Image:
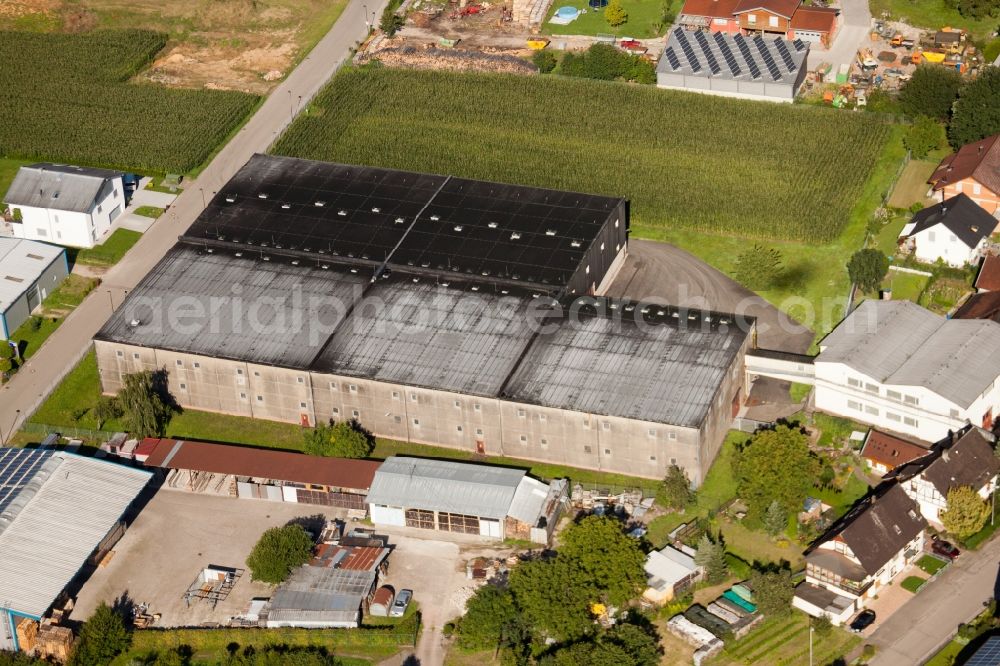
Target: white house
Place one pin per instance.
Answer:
(861, 554)
(899, 367)
(954, 231)
(963, 459)
(668, 573)
(66, 205)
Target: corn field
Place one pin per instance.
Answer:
(67, 98)
(684, 160)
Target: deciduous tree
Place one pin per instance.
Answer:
(965, 512)
(924, 136)
(608, 563)
(773, 591)
(344, 439)
(145, 403)
(102, 638)
(931, 92)
(867, 268)
(615, 14)
(279, 550)
(776, 465)
(977, 113)
(490, 614)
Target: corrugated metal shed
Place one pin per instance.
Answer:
(270, 312)
(48, 538)
(421, 333)
(22, 262)
(439, 485)
(60, 187)
(901, 343)
(663, 365)
(320, 594)
(529, 500)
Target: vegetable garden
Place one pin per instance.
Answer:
(685, 161)
(67, 98)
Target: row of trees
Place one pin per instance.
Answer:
(968, 109)
(545, 610)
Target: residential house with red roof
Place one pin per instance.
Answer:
(770, 18)
(973, 170)
(885, 452)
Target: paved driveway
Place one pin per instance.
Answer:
(661, 271)
(856, 21)
(921, 627)
(26, 390)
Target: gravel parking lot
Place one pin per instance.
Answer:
(176, 535)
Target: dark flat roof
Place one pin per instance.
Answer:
(253, 310)
(441, 334)
(655, 363)
(407, 220)
(262, 463)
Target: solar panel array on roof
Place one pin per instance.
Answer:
(727, 54)
(799, 45)
(744, 48)
(713, 64)
(765, 54)
(380, 217)
(672, 58)
(693, 61)
(786, 56)
(17, 468)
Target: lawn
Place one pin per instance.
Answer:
(931, 565)
(799, 392)
(913, 583)
(943, 294)
(212, 645)
(645, 19)
(36, 329)
(905, 286)
(149, 211)
(110, 251)
(887, 239)
(931, 14)
(755, 546)
(785, 640)
(912, 185)
(834, 430)
(156, 184)
(71, 405)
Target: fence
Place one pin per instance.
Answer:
(77, 433)
(911, 271)
(895, 179)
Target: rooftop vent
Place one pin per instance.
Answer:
(239, 254)
(231, 199)
(445, 284)
(209, 250)
(354, 270)
(492, 225)
(376, 209)
(342, 213)
(295, 262)
(575, 243)
(325, 267)
(319, 204)
(550, 232)
(262, 195)
(435, 218)
(266, 258)
(286, 206)
(399, 220)
(135, 322)
(458, 227)
(474, 288)
(515, 236)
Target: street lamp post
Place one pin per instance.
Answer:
(367, 24)
(3, 440)
(812, 630)
(111, 300)
(202, 190)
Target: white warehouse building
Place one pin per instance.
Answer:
(900, 367)
(66, 205)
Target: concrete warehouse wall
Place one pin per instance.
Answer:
(472, 423)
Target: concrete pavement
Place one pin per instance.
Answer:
(25, 392)
(856, 22)
(920, 628)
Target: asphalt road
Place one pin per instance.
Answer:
(915, 632)
(856, 21)
(26, 390)
(661, 271)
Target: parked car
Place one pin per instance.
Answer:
(945, 549)
(402, 601)
(863, 621)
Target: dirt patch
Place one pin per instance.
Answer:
(250, 64)
(470, 60)
(11, 9)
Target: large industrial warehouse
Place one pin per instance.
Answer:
(750, 67)
(432, 309)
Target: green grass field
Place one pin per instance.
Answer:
(913, 583)
(110, 251)
(785, 640)
(149, 211)
(71, 405)
(36, 330)
(905, 286)
(931, 565)
(645, 19)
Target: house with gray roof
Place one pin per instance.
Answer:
(30, 271)
(903, 369)
(464, 498)
(964, 458)
(861, 554)
(63, 204)
(954, 231)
